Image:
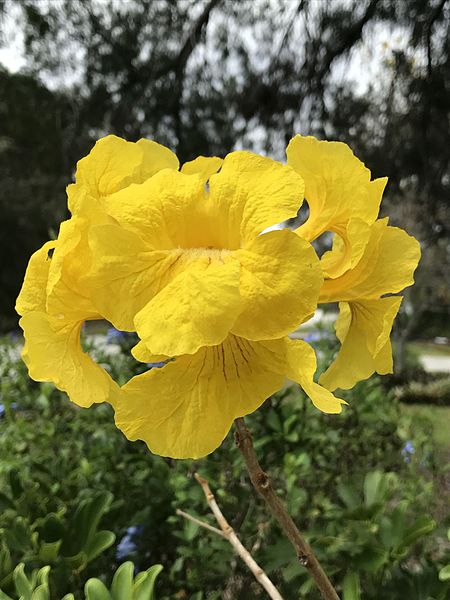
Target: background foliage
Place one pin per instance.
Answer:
(369, 489)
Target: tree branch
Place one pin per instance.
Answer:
(230, 535)
(348, 40)
(261, 482)
(199, 522)
(178, 64)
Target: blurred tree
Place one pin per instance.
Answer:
(207, 76)
(33, 175)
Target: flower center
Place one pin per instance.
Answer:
(211, 254)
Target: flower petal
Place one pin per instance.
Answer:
(156, 157)
(301, 366)
(349, 245)
(33, 295)
(338, 189)
(252, 193)
(114, 164)
(166, 211)
(198, 308)
(363, 328)
(53, 352)
(127, 273)
(68, 296)
(280, 283)
(186, 409)
(203, 166)
(387, 266)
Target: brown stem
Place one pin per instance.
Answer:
(261, 482)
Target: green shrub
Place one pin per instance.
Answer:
(367, 511)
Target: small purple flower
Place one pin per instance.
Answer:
(127, 544)
(125, 547)
(13, 406)
(114, 336)
(157, 365)
(407, 451)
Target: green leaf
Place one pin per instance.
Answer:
(87, 517)
(66, 597)
(15, 483)
(5, 502)
(371, 559)
(444, 573)
(274, 421)
(348, 495)
(421, 527)
(373, 487)
(23, 586)
(122, 583)
(144, 589)
(100, 542)
(3, 596)
(5, 561)
(96, 590)
(42, 576)
(351, 587)
(48, 551)
(52, 528)
(19, 536)
(41, 593)
(392, 528)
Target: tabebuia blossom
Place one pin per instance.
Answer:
(186, 258)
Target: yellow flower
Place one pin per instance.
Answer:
(368, 260)
(183, 258)
(185, 265)
(53, 311)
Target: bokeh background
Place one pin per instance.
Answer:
(206, 77)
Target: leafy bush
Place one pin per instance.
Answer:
(435, 391)
(124, 585)
(365, 504)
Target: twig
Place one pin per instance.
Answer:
(199, 522)
(230, 535)
(261, 482)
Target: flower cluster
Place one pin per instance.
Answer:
(186, 259)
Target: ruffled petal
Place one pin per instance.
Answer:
(141, 353)
(68, 295)
(155, 158)
(33, 295)
(301, 367)
(167, 211)
(114, 164)
(53, 352)
(338, 189)
(387, 266)
(363, 328)
(280, 283)
(349, 244)
(186, 409)
(198, 308)
(203, 166)
(126, 273)
(252, 193)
